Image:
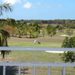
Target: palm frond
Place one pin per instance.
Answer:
(5, 7)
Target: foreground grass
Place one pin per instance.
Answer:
(34, 56)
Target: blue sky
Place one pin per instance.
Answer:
(41, 9)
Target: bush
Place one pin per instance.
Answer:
(69, 56)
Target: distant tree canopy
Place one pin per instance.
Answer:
(51, 30)
(69, 56)
(61, 23)
(33, 30)
(25, 28)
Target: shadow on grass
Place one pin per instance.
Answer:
(9, 70)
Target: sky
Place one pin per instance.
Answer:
(40, 9)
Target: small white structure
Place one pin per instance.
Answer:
(54, 51)
(64, 35)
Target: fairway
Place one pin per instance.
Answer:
(54, 42)
(35, 56)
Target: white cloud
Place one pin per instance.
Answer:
(27, 5)
(12, 2)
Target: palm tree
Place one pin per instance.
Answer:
(3, 41)
(4, 34)
(4, 8)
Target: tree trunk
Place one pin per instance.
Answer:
(3, 54)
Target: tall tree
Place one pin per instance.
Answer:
(4, 34)
(3, 41)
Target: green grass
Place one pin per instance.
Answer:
(37, 56)
(43, 44)
(47, 41)
(34, 56)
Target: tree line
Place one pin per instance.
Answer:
(35, 28)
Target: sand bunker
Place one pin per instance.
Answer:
(54, 51)
(64, 35)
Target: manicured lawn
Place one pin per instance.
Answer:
(44, 44)
(34, 56)
(53, 42)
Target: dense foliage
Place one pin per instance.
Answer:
(33, 28)
(69, 56)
